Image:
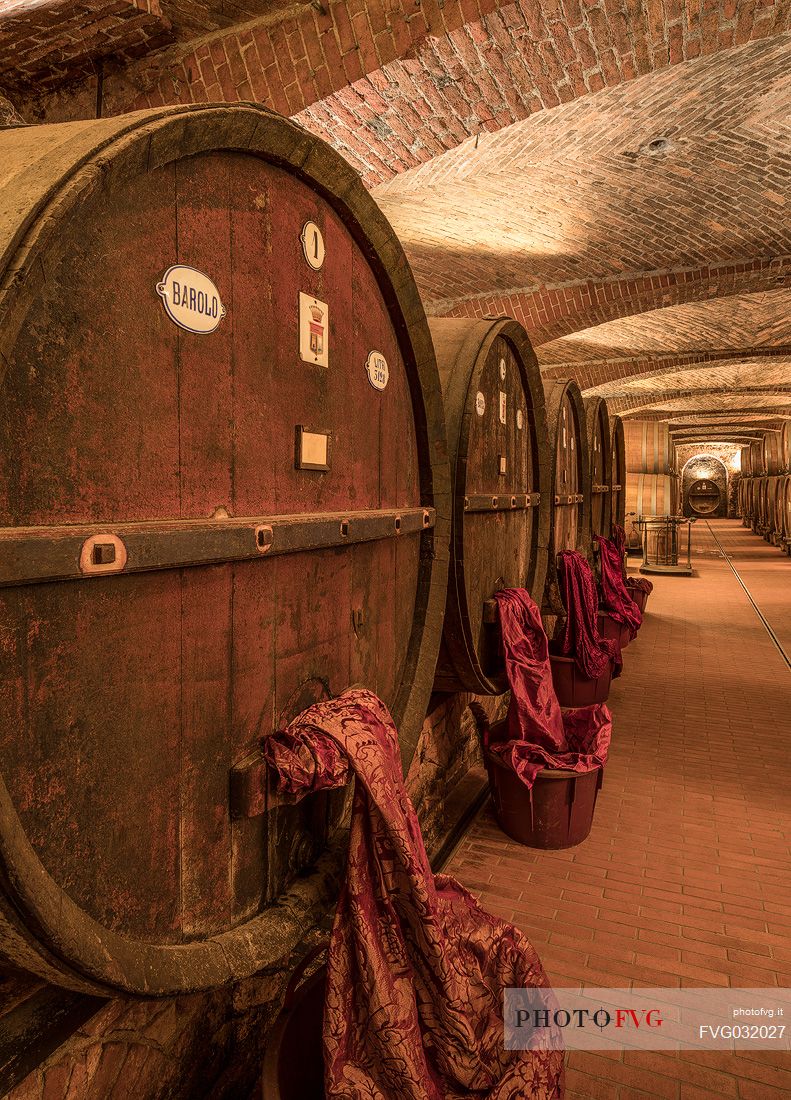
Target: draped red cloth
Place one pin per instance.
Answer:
(417, 969)
(619, 538)
(640, 583)
(616, 600)
(540, 734)
(578, 636)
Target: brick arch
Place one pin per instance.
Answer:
(604, 377)
(552, 312)
(519, 59)
(479, 64)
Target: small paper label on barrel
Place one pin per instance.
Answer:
(502, 370)
(191, 299)
(503, 400)
(520, 420)
(313, 330)
(378, 370)
(480, 403)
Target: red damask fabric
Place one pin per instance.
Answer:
(416, 968)
(639, 583)
(616, 600)
(540, 734)
(578, 635)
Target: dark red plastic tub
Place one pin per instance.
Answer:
(611, 628)
(293, 1058)
(557, 812)
(574, 689)
(639, 596)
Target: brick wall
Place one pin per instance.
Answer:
(42, 45)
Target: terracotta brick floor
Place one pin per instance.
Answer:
(684, 879)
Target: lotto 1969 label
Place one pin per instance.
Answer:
(378, 370)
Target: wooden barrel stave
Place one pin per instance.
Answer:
(136, 695)
(757, 458)
(648, 447)
(569, 527)
(601, 465)
(785, 447)
(783, 512)
(773, 457)
(500, 513)
(648, 495)
(618, 477)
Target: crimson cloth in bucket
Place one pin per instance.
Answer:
(616, 599)
(610, 627)
(573, 688)
(540, 735)
(578, 636)
(555, 812)
(416, 968)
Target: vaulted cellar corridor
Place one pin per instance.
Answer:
(684, 877)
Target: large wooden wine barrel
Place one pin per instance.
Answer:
(746, 462)
(785, 447)
(618, 477)
(704, 497)
(569, 527)
(497, 441)
(783, 512)
(649, 447)
(745, 500)
(757, 458)
(773, 458)
(224, 494)
(767, 515)
(651, 494)
(601, 466)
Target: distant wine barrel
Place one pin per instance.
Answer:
(757, 458)
(497, 440)
(569, 527)
(773, 458)
(618, 482)
(600, 460)
(745, 500)
(783, 512)
(223, 495)
(649, 447)
(767, 495)
(746, 462)
(785, 447)
(651, 494)
(704, 497)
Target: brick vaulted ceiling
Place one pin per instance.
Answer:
(615, 173)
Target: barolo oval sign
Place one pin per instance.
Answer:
(191, 299)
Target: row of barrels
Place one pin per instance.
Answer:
(764, 504)
(768, 456)
(238, 473)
